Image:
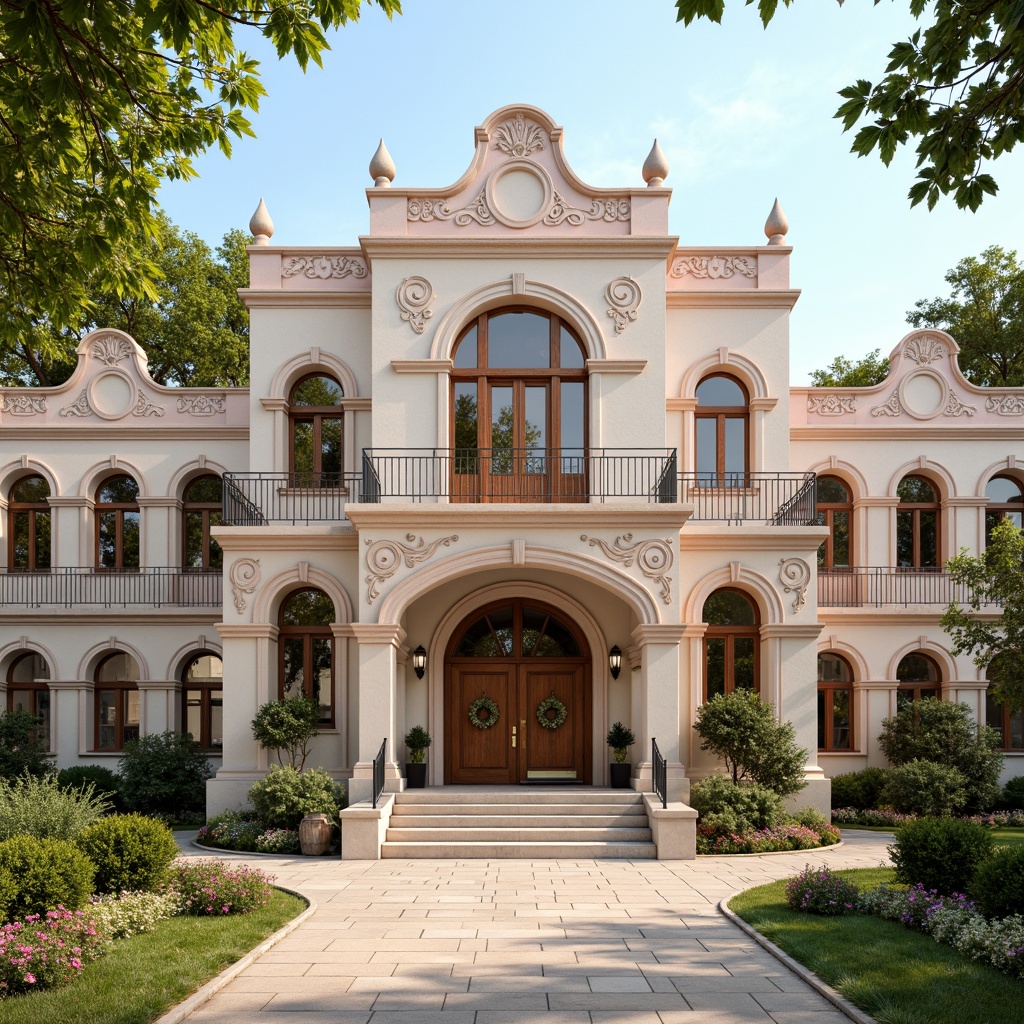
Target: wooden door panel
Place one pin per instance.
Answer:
(561, 750)
(482, 755)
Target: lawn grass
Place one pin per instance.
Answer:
(896, 975)
(140, 978)
(1003, 836)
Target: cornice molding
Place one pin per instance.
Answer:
(160, 432)
(499, 248)
(765, 404)
(888, 430)
(680, 404)
(792, 631)
(647, 633)
(631, 367)
(786, 540)
(262, 297)
(422, 365)
(285, 538)
(389, 633)
(764, 297)
(247, 630)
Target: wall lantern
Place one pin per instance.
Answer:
(419, 661)
(615, 661)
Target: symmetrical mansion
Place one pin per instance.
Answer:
(516, 466)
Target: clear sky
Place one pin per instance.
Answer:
(743, 115)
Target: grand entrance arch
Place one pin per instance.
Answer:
(517, 696)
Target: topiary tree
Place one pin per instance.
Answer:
(947, 734)
(23, 747)
(620, 739)
(741, 729)
(287, 726)
(417, 740)
(164, 773)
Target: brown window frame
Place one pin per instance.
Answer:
(33, 688)
(207, 686)
(120, 508)
(828, 687)
(32, 509)
(916, 687)
(205, 509)
(914, 509)
(308, 634)
(721, 413)
(122, 688)
(826, 517)
(316, 413)
(996, 511)
(730, 633)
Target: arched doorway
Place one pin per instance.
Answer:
(510, 665)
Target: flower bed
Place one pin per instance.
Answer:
(234, 830)
(46, 951)
(882, 817)
(775, 839)
(210, 887)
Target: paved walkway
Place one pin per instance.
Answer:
(526, 942)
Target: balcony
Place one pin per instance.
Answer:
(768, 499)
(259, 499)
(149, 587)
(886, 586)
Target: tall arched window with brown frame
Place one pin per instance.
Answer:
(28, 525)
(306, 650)
(918, 524)
(731, 643)
(315, 432)
(835, 702)
(519, 409)
(835, 510)
(1001, 717)
(202, 694)
(919, 677)
(722, 423)
(117, 523)
(116, 701)
(1005, 501)
(27, 689)
(201, 510)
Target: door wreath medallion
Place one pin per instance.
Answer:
(551, 712)
(483, 712)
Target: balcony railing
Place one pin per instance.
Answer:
(256, 499)
(772, 499)
(519, 474)
(878, 586)
(152, 587)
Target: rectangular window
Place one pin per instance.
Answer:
(292, 680)
(108, 540)
(707, 448)
(929, 540)
(106, 732)
(330, 452)
(743, 663)
(715, 662)
(735, 447)
(841, 539)
(130, 540)
(322, 677)
(302, 453)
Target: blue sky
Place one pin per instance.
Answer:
(743, 114)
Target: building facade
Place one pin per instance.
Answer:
(515, 467)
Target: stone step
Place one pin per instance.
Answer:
(518, 851)
(462, 819)
(402, 809)
(518, 794)
(567, 833)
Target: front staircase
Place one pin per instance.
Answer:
(518, 821)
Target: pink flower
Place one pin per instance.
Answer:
(30, 978)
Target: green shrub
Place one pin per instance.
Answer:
(164, 773)
(819, 890)
(940, 853)
(858, 789)
(620, 739)
(208, 887)
(130, 852)
(105, 783)
(1013, 793)
(417, 740)
(41, 808)
(286, 796)
(22, 747)
(924, 787)
(731, 807)
(47, 873)
(998, 884)
(287, 725)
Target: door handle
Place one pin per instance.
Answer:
(513, 736)
(522, 723)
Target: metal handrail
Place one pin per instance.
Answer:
(772, 499)
(659, 772)
(858, 586)
(256, 499)
(155, 586)
(378, 771)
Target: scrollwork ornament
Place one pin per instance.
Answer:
(79, 407)
(832, 404)
(384, 557)
(112, 350)
(713, 267)
(23, 405)
(653, 557)
(413, 296)
(244, 576)
(144, 407)
(476, 212)
(925, 349)
(625, 296)
(609, 210)
(795, 575)
(890, 408)
(548, 705)
(518, 137)
(201, 405)
(324, 267)
(954, 407)
(483, 703)
(1005, 405)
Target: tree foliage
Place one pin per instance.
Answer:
(994, 578)
(985, 314)
(287, 726)
(101, 101)
(23, 746)
(842, 373)
(164, 773)
(955, 87)
(741, 729)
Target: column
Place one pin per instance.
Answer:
(161, 531)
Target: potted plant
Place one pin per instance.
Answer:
(417, 739)
(620, 739)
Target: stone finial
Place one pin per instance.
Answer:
(655, 169)
(261, 226)
(776, 226)
(382, 167)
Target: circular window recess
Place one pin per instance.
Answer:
(924, 394)
(519, 193)
(112, 395)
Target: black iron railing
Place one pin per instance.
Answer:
(378, 771)
(519, 474)
(256, 499)
(773, 499)
(659, 771)
(877, 586)
(155, 587)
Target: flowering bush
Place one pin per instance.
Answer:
(46, 951)
(883, 816)
(208, 887)
(278, 840)
(120, 915)
(765, 840)
(231, 830)
(821, 891)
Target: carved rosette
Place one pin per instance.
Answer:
(624, 295)
(608, 210)
(832, 404)
(111, 350)
(924, 349)
(413, 296)
(713, 267)
(795, 575)
(954, 407)
(518, 136)
(144, 407)
(201, 405)
(23, 405)
(653, 557)
(385, 557)
(1005, 405)
(244, 576)
(324, 267)
(890, 408)
(79, 407)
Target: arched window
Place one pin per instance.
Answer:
(117, 523)
(835, 702)
(731, 643)
(1005, 501)
(201, 509)
(835, 510)
(1001, 717)
(28, 525)
(919, 677)
(27, 689)
(315, 421)
(917, 524)
(519, 409)
(116, 701)
(202, 694)
(517, 630)
(722, 425)
(306, 646)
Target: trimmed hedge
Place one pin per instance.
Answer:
(130, 852)
(940, 853)
(46, 873)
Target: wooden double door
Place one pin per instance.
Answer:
(509, 667)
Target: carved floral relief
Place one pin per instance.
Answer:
(201, 405)
(111, 350)
(795, 575)
(892, 407)
(413, 296)
(831, 404)
(954, 407)
(79, 407)
(609, 210)
(924, 349)
(324, 267)
(385, 557)
(559, 212)
(24, 405)
(244, 576)
(625, 296)
(518, 136)
(144, 407)
(713, 267)
(653, 557)
(1005, 405)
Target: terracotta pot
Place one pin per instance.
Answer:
(314, 835)
(620, 774)
(416, 775)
